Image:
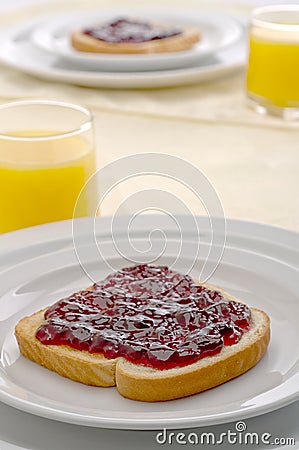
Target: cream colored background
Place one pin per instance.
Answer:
(253, 161)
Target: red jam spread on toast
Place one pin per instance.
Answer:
(126, 30)
(149, 315)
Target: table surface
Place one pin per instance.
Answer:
(252, 162)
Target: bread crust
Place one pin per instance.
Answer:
(152, 385)
(88, 368)
(145, 383)
(85, 43)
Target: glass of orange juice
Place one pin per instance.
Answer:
(46, 156)
(273, 65)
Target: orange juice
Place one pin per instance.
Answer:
(273, 71)
(41, 179)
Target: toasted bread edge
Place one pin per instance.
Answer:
(152, 385)
(92, 369)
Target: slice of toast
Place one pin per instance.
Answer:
(138, 382)
(183, 41)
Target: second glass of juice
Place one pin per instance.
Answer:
(47, 155)
(273, 64)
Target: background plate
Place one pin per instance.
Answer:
(217, 32)
(51, 271)
(18, 52)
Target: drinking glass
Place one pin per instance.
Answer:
(273, 64)
(46, 156)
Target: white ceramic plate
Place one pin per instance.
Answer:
(22, 431)
(46, 269)
(217, 31)
(18, 52)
